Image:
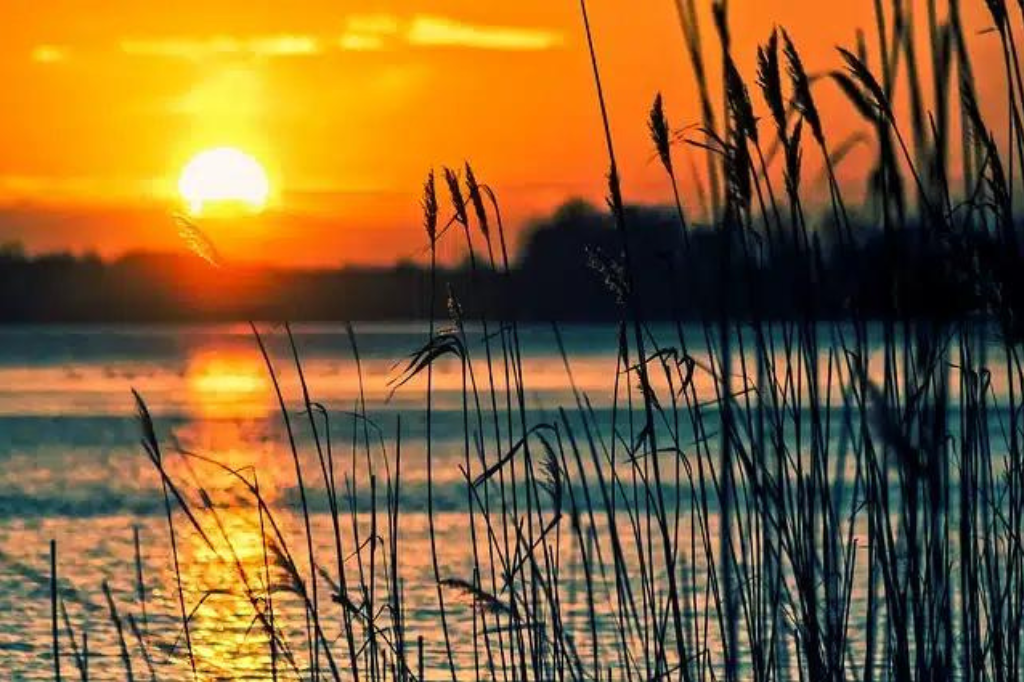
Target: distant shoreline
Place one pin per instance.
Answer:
(565, 271)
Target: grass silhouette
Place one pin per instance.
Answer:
(848, 505)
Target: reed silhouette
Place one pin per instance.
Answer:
(847, 504)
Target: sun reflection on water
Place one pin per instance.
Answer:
(226, 570)
(227, 586)
(232, 573)
(228, 384)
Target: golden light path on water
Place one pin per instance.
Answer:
(230, 573)
(229, 383)
(243, 581)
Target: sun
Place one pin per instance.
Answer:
(223, 178)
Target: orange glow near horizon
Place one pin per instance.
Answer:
(345, 109)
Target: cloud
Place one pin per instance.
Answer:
(79, 189)
(285, 45)
(368, 32)
(376, 24)
(197, 49)
(360, 42)
(362, 33)
(49, 54)
(435, 31)
(374, 32)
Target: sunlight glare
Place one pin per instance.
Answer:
(228, 385)
(224, 177)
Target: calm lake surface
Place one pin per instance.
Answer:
(72, 469)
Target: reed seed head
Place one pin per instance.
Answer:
(803, 101)
(476, 198)
(451, 178)
(769, 78)
(658, 126)
(429, 205)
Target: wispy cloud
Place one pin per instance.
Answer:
(445, 32)
(380, 31)
(285, 45)
(375, 24)
(362, 33)
(80, 189)
(49, 54)
(360, 42)
(368, 32)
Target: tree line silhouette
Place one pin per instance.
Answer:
(565, 270)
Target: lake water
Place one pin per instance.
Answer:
(72, 469)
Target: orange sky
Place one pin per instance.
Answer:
(347, 105)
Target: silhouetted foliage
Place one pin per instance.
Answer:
(565, 271)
